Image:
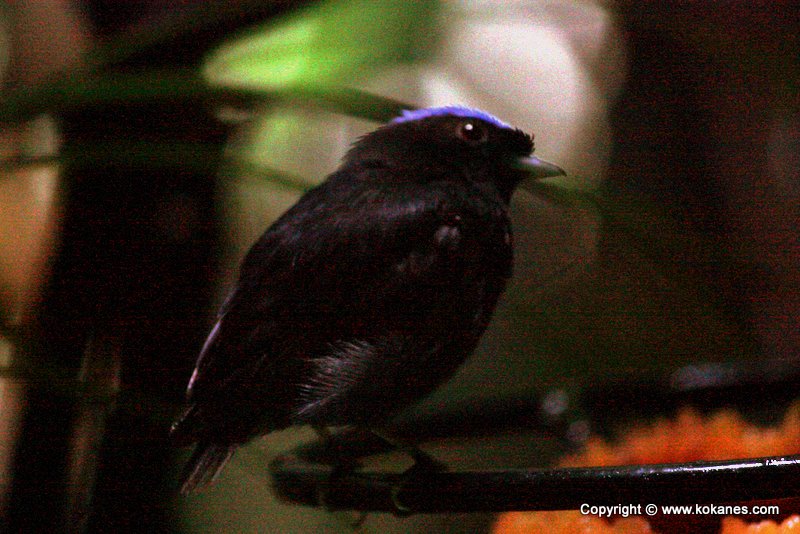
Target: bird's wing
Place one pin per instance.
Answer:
(335, 255)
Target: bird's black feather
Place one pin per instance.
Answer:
(366, 294)
(205, 465)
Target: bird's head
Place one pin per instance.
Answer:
(451, 143)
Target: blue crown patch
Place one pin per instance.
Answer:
(456, 111)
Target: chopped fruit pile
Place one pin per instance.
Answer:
(690, 436)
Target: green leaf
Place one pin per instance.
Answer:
(326, 44)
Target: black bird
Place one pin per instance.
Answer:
(369, 292)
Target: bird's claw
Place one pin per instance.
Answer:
(324, 490)
(423, 464)
(400, 509)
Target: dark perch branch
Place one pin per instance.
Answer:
(540, 489)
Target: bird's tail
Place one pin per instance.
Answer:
(205, 465)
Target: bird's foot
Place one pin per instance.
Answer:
(352, 520)
(424, 464)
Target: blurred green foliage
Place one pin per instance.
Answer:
(329, 43)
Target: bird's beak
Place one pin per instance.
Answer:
(537, 169)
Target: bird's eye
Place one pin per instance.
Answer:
(472, 132)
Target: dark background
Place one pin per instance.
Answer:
(694, 257)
